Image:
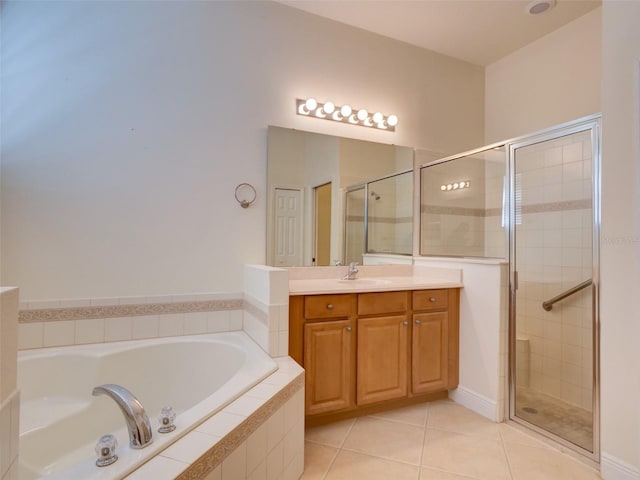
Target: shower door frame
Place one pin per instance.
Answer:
(591, 123)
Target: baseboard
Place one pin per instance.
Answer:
(612, 468)
(475, 402)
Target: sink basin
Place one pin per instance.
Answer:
(365, 281)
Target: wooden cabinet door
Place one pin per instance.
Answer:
(429, 352)
(382, 358)
(329, 362)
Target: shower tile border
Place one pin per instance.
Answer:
(565, 205)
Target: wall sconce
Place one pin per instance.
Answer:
(455, 186)
(345, 114)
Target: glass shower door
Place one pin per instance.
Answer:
(553, 264)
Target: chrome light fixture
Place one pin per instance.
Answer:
(346, 114)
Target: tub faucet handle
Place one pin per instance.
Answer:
(166, 418)
(106, 450)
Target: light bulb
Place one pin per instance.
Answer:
(455, 186)
(377, 117)
(362, 114)
(311, 104)
(443, 187)
(345, 110)
(392, 120)
(449, 187)
(329, 108)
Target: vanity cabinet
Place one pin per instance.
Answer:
(329, 350)
(430, 346)
(364, 351)
(383, 347)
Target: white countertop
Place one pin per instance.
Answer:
(317, 286)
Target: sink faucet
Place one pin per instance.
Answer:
(352, 272)
(140, 433)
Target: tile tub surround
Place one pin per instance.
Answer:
(9, 435)
(82, 321)
(266, 307)
(9, 395)
(259, 435)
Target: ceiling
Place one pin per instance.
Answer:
(477, 31)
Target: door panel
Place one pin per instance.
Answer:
(382, 358)
(552, 257)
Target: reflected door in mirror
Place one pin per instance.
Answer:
(322, 203)
(288, 235)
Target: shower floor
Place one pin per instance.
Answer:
(570, 422)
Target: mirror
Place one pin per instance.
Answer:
(308, 177)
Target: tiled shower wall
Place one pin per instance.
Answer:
(553, 254)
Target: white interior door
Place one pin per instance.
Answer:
(288, 232)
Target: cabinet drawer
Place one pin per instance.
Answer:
(383, 302)
(430, 299)
(328, 306)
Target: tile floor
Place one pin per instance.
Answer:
(436, 441)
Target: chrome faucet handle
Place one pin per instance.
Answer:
(106, 450)
(166, 418)
(337, 263)
(351, 272)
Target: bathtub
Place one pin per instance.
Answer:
(60, 421)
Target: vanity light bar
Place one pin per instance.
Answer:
(455, 186)
(345, 114)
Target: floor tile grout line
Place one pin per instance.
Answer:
(339, 449)
(506, 454)
(380, 457)
(442, 429)
(335, 455)
(424, 439)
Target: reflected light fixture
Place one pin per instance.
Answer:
(310, 107)
(455, 186)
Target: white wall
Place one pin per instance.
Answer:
(550, 81)
(620, 255)
(483, 311)
(128, 125)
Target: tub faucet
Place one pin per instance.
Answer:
(352, 272)
(140, 433)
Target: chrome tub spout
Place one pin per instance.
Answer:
(140, 433)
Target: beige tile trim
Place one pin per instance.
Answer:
(113, 311)
(558, 206)
(256, 309)
(495, 212)
(199, 469)
(360, 218)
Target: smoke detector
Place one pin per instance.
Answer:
(539, 6)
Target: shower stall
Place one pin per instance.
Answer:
(379, 217)
(535, 202)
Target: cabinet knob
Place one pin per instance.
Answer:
(432, 299)
(348, 329)
(418, 322)
(330, 306)
(405, 323)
